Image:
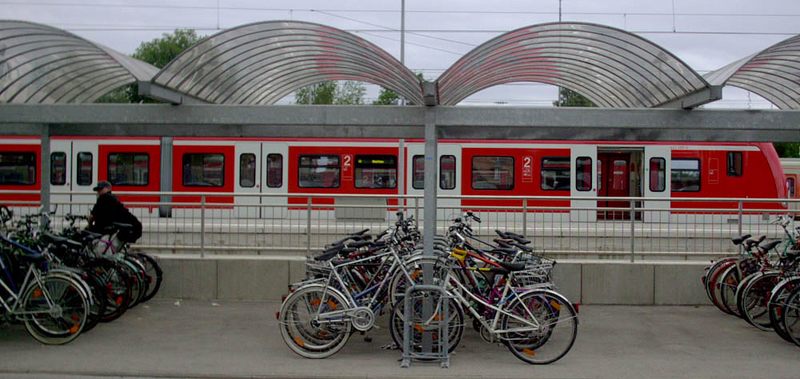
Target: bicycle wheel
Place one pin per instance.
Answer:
(726, 285)
(740, 300)
(138, 283)
(55, 310)
(757, 294)
(115, 283)
(455, 323)
(540, 326)
(153, 275)
(709, 273)
(791, 316)
(777, 305)
(304, 332)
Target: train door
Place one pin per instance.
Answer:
(61, 177)
(84, 175)
(618, 176)
(584, 183)
(448, 166)
(246, 179)
(274, 179)
(656, 182)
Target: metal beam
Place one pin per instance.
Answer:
(402, 122)
(157, 92)
(696, 99)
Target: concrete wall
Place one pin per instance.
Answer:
(585, 282)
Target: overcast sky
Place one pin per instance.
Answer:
(706, 34)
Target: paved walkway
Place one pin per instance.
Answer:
(204, 339)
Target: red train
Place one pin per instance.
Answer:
(358, 166)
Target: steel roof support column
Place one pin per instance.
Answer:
(429, 225)
(45, 176)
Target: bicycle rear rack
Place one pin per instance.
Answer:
(439, 352)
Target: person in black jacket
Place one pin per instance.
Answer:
(108, 210)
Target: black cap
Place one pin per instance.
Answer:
(100, 185)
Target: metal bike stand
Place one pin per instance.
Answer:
(441, 322)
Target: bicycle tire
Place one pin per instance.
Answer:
(60, 325)
(305, 337)
(551, 310)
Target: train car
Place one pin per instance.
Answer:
(791, 172)
(468, 169)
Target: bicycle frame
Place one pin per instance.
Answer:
(374, 302)
(15, 298)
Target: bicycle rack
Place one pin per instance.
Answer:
(441, 323)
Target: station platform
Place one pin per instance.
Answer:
(168, 338)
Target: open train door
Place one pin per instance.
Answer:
(656, 182)
(583, 164)
(274, 179)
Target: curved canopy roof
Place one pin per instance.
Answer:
(261, 63)
(42, 64)
(611, 67)
(773, 74)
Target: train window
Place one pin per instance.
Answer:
(319, 171)
(84, 163)
(58, 169)
(685, 175)
(247, 170)
(447, 172)
(203, 170)
(583, 174)
(274, 170)
(376, 171)
(658, 174)
(790, 189)
(555, 174)
(735, 163)
(129, 169)
(418, 170)
(17, 168)
(493, 173)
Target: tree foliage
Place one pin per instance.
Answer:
(387, 97)
(570, 98)
(788, 149)
(158, 52)
(331, 92)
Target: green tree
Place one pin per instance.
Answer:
(570, 98)
(158, 52)
(788, 149)
(387, 97)
(331, 92)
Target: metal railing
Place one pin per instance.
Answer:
(563, 227)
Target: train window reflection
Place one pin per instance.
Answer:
(128, 169)
(492, 173)
(735, 166)
(319, 171)
(447, 172)
(418, 170)
(376, 171)
(685, 175)
(658, 180)
(17, 168)
(274, 170)
(247, 170)
(555, 174)
(58, 169)
(583, 174)
(203, 170)
(85, 166)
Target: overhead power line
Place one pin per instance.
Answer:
(393, 11)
